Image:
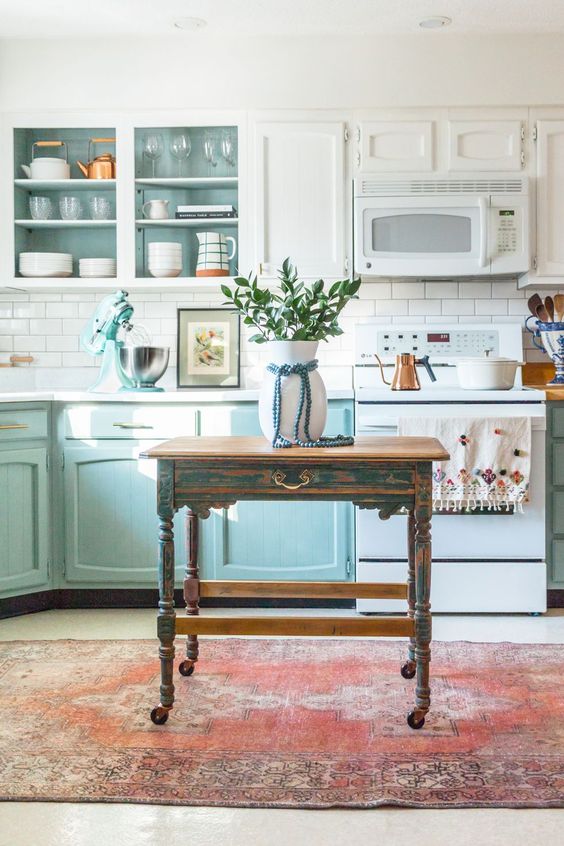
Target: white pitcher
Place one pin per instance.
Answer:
(213, 255)
(156, 209)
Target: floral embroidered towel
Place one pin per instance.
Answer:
(490, 461)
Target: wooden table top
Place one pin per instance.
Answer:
(367, 448)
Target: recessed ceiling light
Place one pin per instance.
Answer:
(191, 24)
(435, 22)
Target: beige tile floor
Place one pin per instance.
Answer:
(58, 824)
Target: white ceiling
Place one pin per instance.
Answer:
(83, 18)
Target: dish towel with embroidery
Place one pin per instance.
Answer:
(490, 461)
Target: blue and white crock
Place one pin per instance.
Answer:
(552, 342)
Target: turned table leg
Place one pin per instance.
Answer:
(191, 591)
(408, 669)
(422, 615)
(166, 619)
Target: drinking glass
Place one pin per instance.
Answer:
(180, 148)
(228, 148)
(100, 208)
(69, 208)
(153, 147)
(40, 208)
(209, 145)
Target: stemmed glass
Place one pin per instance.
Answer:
(228, 148)
(180, 148)
(153, 148)
(209, 146)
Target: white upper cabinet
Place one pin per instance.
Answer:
(482, 145)
(392, 146)
(550, 198)
(299, 196)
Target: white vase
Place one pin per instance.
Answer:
(292, 352)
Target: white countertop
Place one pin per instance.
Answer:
(188, 396)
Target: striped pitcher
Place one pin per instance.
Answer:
(213, 255)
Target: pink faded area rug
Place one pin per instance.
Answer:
(296, 724)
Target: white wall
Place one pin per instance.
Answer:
(199, 70)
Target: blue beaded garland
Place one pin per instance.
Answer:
(302, 370)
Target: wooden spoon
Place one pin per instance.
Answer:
(549, 306)
(542, 313)
(533, 302)
(559, 307)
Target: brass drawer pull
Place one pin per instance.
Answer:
(306, 477)
(14, 426)
(132, 426)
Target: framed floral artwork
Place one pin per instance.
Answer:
(208, 348)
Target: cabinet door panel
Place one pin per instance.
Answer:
(286, 540)
(111, 519)
(393, 146)
(484, 145)
(23, 519)
(550, 197)
(300, 197)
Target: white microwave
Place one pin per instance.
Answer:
(464, 226)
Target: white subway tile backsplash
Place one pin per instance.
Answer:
(424, 307)
(491, 307)
(45, 327)
(408, 290)
(441, 290)
(475, 290)
(48, 326)
(62, 310)
(458, 307)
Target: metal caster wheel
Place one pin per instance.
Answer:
(186, 668)
(411, 722)
(159, 715)
(408, 670)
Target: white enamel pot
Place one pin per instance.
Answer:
(486, 374)
(292, 352)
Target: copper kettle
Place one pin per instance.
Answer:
(102, 167)
(405, 376)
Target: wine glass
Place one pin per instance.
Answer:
(228, 148)
(209, 145)
(153, 148)
(180, 148)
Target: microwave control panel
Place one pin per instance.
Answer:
(507, 225)
(454, 343)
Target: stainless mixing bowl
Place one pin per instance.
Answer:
(144, 365)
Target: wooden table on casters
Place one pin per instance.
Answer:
(387, 474)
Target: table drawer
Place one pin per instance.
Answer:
(285, 479)
(23, 425)
(134, 422)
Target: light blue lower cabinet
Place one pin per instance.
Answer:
(24, 519)
(555, 494)
(269, 540)
(111, 529)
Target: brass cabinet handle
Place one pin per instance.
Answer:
(132, 426)
(14, 426)
(306, 477)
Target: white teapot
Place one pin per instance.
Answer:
(47, 167)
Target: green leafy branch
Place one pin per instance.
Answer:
(295, 312)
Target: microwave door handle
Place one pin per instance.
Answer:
(483, 257)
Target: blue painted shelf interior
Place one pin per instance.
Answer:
(194, 182)
(87, 239)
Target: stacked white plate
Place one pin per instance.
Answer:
(92, 268)
(45, 264)
(164, 259)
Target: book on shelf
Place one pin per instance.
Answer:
(207, 208)
(204, 215)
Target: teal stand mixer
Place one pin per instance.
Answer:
(126, 365)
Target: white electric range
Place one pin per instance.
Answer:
(482, 562)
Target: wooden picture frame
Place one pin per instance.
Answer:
(209, 348)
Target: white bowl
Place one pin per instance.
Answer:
(45, 273)
(46, 255)
(164, 252)
(157, 267)
(165, 273)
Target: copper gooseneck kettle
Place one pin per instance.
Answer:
(405, 376)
